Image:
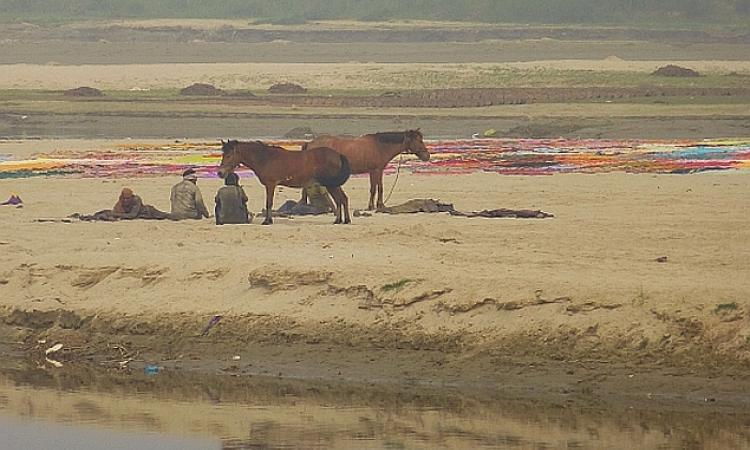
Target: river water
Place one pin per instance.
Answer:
(87, 409)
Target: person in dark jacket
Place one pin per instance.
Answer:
(231, 202)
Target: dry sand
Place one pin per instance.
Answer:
(356, 75)
(583, 285)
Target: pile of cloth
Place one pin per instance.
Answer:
(429, 205)
(14, 200)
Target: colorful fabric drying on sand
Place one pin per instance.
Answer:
(503, 156)
(549, 156)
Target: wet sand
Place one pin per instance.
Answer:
(241, 411)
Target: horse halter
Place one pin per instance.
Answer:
(408, 150)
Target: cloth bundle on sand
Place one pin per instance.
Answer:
(429, 205)
(416, 205)
(146, 212)
(292, 208)
(505, 213)
(315, 200)
(14, 200)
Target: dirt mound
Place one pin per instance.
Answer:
(84, 91)
(287, 88)
(675, 71)
(201, 89)
(300, 133)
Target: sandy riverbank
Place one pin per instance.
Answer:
(583, 285)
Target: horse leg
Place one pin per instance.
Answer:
(336, 194)
(270, 188)
(345, 201)
(373, 186)
(381, 205)
(303, 198)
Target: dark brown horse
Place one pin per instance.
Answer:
(372, 152)
(275, 165)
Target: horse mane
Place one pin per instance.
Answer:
(390, 137)
(259, 148)
(395, 137)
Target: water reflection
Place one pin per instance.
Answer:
(251, 413)
(41, 435)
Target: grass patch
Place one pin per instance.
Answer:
(396, 285)
(732, 306)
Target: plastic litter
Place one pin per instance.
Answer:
(211, 323)
(53, 349)
(151, 369)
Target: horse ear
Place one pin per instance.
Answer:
(222, 142)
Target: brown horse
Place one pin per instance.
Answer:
(275, 165)
(372, 152)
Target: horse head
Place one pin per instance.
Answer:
(230, 158)
(414, 143)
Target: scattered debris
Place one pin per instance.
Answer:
(151, 369)
(661, 259)
(211, 323)
(55, 363)
(53, 349)
(45, 220)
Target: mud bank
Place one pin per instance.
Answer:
(244, 411)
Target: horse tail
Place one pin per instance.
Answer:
(340, 178)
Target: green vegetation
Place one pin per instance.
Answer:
(295, 11)
(396, 285)
(725, 307)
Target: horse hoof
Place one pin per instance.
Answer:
(347, 222)
(267, 222)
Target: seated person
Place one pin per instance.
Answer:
(186, 198)
(128, 206)
(231, 202)
(315, 200)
